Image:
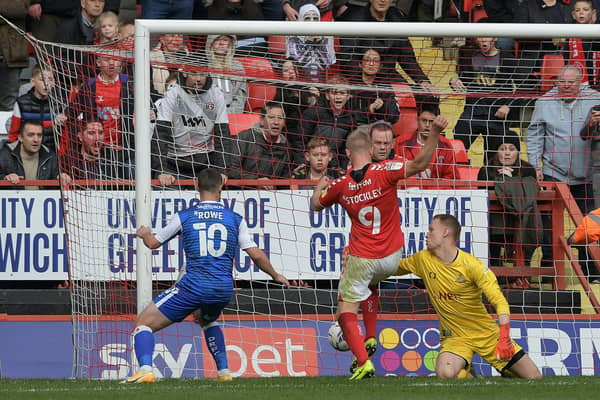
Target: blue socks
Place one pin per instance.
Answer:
(215, 341)
(143, 343)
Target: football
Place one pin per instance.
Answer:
(336, 338)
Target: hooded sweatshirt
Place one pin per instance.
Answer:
(554, 136)
(233, 83)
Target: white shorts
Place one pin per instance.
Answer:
(360, 273)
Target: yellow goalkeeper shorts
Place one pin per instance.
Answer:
(465, 347)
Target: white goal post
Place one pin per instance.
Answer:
(145, 28)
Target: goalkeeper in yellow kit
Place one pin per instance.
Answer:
(455, 281)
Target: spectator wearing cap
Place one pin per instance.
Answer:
(220, 51)
(443, 163)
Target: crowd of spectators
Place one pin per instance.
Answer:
(326, 87)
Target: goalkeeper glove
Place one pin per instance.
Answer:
(505, 349)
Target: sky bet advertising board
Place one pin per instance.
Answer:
(300, 242)
(35, 349)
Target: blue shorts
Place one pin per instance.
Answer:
(177, 303)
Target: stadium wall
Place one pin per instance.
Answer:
(33, 243)
(41, 347)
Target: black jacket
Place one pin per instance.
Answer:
(361, 99)
(61, 8)
(109, 165)
(487, 87)
(502, 11)
(319, 121)
(33, 109)
(255, 158)
(392, 50)
(294, 99)
(11, 162)
(76, 66)
(518, 195)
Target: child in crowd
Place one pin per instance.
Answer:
(107, 27)
(333, 120)
(35, 106)
(317, 156)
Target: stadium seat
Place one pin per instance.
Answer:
(468, 173)
(240, 122)
(551, 65)
(460, 153)
(404, 95)
(407, 123)
(277, 45)
(467, 4)
(257, 68)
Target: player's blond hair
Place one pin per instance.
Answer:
(358, 140)
(450, 222)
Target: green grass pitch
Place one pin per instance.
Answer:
(322, 388)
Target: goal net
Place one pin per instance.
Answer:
(140, 122)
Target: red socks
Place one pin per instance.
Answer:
(349, 323)
(369, 308)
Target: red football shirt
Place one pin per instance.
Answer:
(372, 205)
(443, 162)
(108, 101)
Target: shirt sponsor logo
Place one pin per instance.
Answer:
(449, 296)
(359, 185)
(394, 165)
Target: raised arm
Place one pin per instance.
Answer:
(321, 185)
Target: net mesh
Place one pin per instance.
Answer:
(208, 107)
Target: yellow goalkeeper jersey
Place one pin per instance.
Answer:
(455, 290)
